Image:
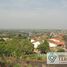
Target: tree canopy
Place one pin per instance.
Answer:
(44, 47)
(16, 47)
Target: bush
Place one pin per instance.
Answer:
(44, 47)
(17, 65)
(39, 58)
(60, 50)
(16, 47)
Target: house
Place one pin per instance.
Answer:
(35, 43)
(53, 34)
(5, 39)
(32, 40)
(54, 42)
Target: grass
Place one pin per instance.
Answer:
(29, 65)
(17, 65)
(35, 57)
(31, 57)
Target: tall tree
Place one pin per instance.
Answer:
(65, 39)
(44, 47)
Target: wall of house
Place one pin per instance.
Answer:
(52, 44)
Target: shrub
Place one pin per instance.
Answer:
(44, 47)
(39, 58)
(60, 50)
(17, 65)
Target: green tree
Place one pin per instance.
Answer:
(44, 47)
(16, 47)
(2, 48)
(26, 46)
(65, 40)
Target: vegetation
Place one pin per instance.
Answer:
(44, 47)
(60, 50)
(16, 47)
(20, 48)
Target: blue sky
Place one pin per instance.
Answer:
(34, 14)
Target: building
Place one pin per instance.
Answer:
(35, 43)
(54, 42)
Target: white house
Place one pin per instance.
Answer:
(53, 42)
(32, 40)
(35, 43)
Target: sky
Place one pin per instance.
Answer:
(33, 14)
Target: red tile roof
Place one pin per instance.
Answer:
(56, 41)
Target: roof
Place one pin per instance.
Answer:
(56, 41)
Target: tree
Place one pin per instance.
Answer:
(27, 47)
(2, 48)
(65, 39)
(60, 50)
(16, 47)
(44, 47)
